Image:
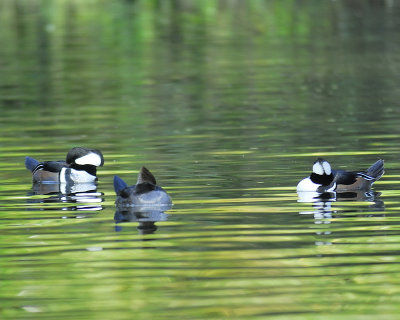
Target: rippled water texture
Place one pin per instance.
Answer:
(228, 103)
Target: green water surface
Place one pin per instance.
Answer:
(228, 103)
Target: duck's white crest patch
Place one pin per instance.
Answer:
(318, 168)
(91, 158)
(327, 167)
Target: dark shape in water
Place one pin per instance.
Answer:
(144, 193)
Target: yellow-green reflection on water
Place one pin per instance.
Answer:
(228, 103)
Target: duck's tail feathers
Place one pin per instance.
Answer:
(119, 184)
(31, 163)
(376, 171)
(145, 176)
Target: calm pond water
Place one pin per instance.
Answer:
(228, 103)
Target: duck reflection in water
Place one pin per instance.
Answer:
(145, 202)
(323, 201)
(326, 207)
(84, 196)
(146, 216)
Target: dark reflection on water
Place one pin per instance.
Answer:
(145, 216)
(326, 197)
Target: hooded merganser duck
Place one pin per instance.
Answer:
(144, 193)
(79, 167)
(324, 179)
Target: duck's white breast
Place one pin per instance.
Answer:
(307, 185)
(76, 176)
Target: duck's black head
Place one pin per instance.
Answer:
(322, 172)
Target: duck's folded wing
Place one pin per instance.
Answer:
(53, 166)
(345, 177)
